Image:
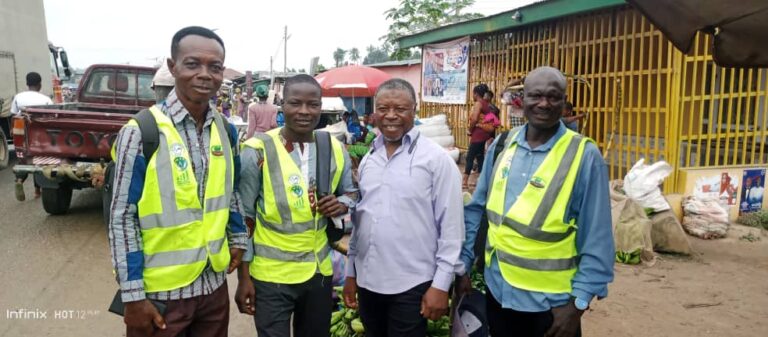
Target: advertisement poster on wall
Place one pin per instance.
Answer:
(444, 72)
(752, 192)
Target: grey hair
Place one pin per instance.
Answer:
(397, 84)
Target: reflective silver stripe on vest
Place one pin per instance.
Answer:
(537, 264)
(282, 255)
(286, 226)
(215, 246)
(556, 185)
(175, 258)
(496, 164)
(528, 231)
(222, 202)
(171, 217)
(533, 230)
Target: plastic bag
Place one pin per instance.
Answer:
(705, 219)
(642, 182)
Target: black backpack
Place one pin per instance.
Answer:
(482, 232)
(150, 139)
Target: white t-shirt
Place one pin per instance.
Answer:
(28, 98)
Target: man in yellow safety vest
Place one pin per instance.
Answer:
(290, 271)
(549, 248)
(176, 226)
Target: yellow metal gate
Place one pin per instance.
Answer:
(658, 103)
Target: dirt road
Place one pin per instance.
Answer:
(57, 269)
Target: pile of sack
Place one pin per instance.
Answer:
(704, 217)
(642, 219)
(436, 128)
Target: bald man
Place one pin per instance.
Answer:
(549, 249)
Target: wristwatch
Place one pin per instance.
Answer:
(580, 304)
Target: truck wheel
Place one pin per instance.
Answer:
(4, 154)
(56, 200)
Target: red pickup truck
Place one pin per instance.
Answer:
(63, 145)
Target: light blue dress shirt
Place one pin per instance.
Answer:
(589, 205)
(408, 223)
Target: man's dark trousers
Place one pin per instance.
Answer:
(309, 302)
(512, 323)
(393, 315)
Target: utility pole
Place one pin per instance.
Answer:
(271, 75)
(285, 52)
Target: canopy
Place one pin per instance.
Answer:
(351, 81)
(740, 28)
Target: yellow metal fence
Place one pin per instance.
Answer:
(658, 103)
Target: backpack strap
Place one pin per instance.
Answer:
(150, 134)
(323, 172)
(500, 143)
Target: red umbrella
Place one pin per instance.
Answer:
(351, 81)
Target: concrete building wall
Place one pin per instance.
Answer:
(410, 73)
(23, 46)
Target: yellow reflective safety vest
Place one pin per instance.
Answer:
(290, 243)
(180, 234)
(536, 248)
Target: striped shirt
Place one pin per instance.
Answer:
(124, 227)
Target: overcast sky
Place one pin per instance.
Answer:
(139, 31)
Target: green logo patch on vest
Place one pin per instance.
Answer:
(216, 150)
(537, 182)
(181, 163)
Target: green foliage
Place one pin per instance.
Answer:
(755, 219)
(413, 16)
(375, 55)
(338, 56)
(354, 55)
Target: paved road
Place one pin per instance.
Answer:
(58, 269)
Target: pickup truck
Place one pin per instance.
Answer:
(65, 145)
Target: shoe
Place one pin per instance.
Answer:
(20, 192)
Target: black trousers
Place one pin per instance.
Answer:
(393, 315)
(475, 151)
(309, 302)
(512, 323)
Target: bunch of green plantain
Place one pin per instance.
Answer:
(345, 322)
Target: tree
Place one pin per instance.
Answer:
(413, 16)
(320, 68)
(375, 55)
(338, 56)
(354, 55)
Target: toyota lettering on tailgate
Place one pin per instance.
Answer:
(77, 139)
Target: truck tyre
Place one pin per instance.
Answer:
(56, 200)
(5, 156)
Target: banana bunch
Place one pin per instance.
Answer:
(629, 258)
(346, 321)
(439, 328)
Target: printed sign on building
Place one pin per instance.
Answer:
(752, 192)
(444, 72)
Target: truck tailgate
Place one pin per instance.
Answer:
(72, 134)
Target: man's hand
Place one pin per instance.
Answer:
(566, 321)
(434, 304)
(463, 285)
(245, 295)
(350, 293)
(143, 316)
(330, 207)
(235, 257)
